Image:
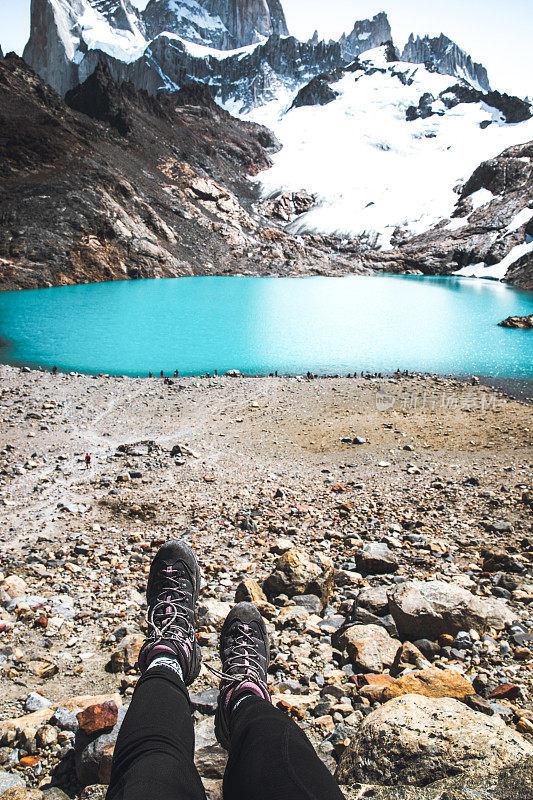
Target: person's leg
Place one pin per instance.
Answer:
(153, 758)
(271, 758)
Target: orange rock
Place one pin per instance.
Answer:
(37, 718)
(29, 761)
(373, 686)
(381, 679)
(432, 682)
(124, 656)
(98, 718)
(250, 591)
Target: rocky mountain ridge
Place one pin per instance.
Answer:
(165, 45)
(445, 57)
(123, 185)
(216, 23)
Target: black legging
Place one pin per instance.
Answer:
(270, 757)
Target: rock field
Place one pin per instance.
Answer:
(382, 527)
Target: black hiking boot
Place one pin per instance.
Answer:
(245, 655)
(172, 593)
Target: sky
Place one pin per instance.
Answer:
(497, 34)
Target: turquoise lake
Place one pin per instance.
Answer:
(259, 325)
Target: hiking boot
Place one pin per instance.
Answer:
(245, 655)
(172, 593)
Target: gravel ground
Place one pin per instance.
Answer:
(234, 464)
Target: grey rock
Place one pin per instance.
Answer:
(227, 25)
(65, 719)
(414, 740)
(366, 34)
(376, 558)
(9, 781)
(210, 758)
(36, 701)
(445, 56)
(317, 92)
(374, 599)
(205, 702)
(309, 601)
(513, 783)
(427, 609)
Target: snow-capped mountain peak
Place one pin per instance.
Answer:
(385, 153)
(216, 23)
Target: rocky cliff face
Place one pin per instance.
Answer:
(366, 35)
(249, 79)
(51, 47)
(63, 31)
(121, 14)
(222, 24)
(446, 58)
(132, 186)
(480, 236)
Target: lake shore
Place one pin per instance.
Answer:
(234, 464)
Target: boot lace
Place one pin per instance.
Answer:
(244, 657)
(168, 617)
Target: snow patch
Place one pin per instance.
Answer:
(456, 223)
(97, 33)
(522, 218)
(481, 198)
(192, 11)
(202, 51)
(496, 271)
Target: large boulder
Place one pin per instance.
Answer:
(427, 609)
(415, 740)
(512, 783)
(212, 613)
(297, 572)
(523, 323)
(374, 599)
(369, 647)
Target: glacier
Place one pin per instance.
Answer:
(371, 171)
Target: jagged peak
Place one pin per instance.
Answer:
(446, 56)
(221, 24)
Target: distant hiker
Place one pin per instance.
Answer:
(176, 373)
(54, 370)
(150, 375)
(270, 757)
(87, 460)
(162, 374)
(216, 372)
